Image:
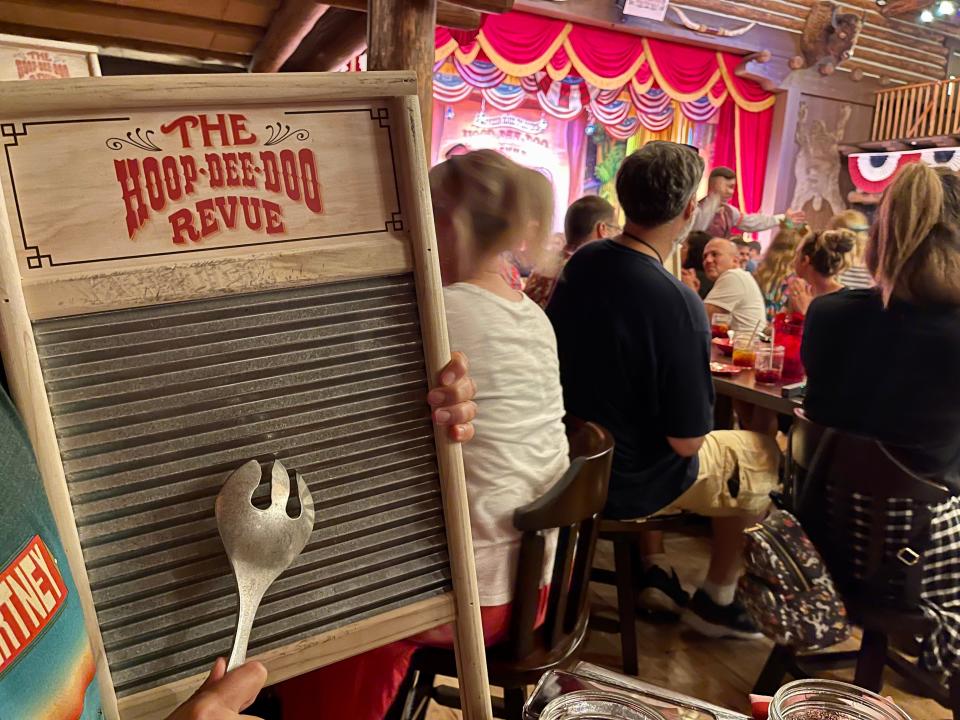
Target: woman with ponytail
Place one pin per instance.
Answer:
(820, 260)
(885, 362)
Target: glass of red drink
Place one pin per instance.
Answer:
(769, 364)
(720, 325)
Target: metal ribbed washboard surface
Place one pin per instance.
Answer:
(155, 406)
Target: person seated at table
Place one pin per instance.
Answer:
(820, 260)
(882, 362)
(776, 269)
(692, 263)
(858, 274)
(589, 218)
(718, 217)
(484, 205)
(749, 253)
(634, 349)
(734, 289)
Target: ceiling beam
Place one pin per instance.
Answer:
(242, 12)
(289, 26)
(339, 36)
(107, 41)
(449, 14)
(487, 6)
(125, 22)
(903, 7)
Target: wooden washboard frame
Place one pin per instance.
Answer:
(79, 237)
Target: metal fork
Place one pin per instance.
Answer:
(260, 544)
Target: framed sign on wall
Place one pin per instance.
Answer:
(24, 58)
(200, 270)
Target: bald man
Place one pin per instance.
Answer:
(734, 289)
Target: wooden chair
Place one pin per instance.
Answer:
(624, 534)
(826, 469)
(625, 575)
(572, 507)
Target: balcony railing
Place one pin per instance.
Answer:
(925, 110)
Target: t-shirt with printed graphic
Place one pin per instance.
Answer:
(47, 668)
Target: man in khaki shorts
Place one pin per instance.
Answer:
(634, 347)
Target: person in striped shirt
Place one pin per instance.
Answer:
(857, 276)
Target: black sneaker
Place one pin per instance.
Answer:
(662, 593)
(719, 621)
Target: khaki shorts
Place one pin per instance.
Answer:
(751, 458)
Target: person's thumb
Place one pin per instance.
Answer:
(239, 688)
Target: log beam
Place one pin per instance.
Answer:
(487, 6)
(448, 13)
(290, 24)
(339, 36)
(400, 37)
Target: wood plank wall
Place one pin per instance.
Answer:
(901, 50)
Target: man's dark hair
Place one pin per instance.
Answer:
(696, 242)
(656, 182)
(754, 245)
(723, 172)
(582, 217)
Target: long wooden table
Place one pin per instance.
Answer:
(743, 386)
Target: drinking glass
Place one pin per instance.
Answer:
(598, 705)
(769, 364)
(720, 325)
(744, 349)
(831, 700)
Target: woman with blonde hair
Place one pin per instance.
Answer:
(857, 275)
(776, 267)
(882, 362)
(484, 205)
(820, 260)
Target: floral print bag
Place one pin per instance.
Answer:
(786, 588)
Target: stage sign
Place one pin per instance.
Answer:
(23, 58)
(651, 9)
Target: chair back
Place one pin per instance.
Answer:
(854, 501)
(570, 507)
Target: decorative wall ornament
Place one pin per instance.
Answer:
(817, 168)
(873, 172)
(829, 37)
(707, 29)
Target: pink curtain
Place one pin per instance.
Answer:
(753, 130)
(576, 142)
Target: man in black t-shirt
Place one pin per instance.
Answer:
(634, 347)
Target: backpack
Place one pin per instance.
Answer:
(787, 590)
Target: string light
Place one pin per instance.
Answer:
(926, 16)
(946, 7)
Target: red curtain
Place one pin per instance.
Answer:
(521, 45)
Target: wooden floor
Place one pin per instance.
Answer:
(720, 671)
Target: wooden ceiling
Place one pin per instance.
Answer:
(232, 31)
(221, 30)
